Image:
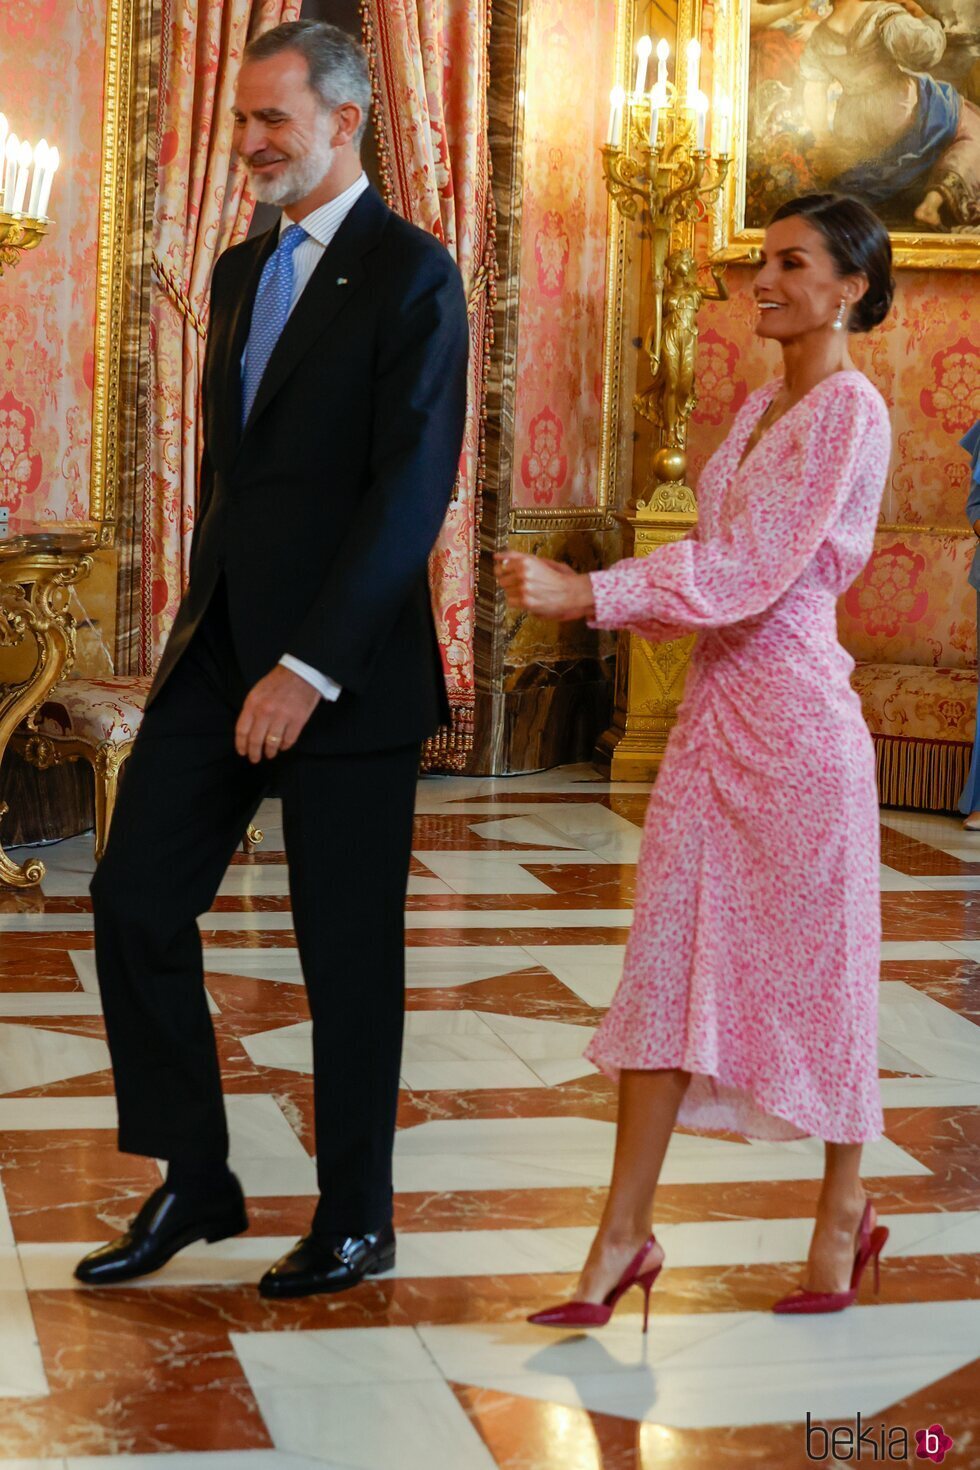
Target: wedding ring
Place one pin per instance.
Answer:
(274, 739)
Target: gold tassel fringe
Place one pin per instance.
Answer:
(449, 749)
(928, 775)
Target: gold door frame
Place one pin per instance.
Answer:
(128, 26)
(732, 240)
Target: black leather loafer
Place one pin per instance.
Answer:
(313, 1265)
(166, 1224)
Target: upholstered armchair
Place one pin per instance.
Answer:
(910, 622)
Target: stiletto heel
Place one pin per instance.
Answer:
(870, 1245)
(597, 1314)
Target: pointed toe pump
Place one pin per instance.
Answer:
(597, 1314)
(870, 1244)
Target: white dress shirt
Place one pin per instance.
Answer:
(320, 226)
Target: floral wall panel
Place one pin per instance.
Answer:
(570, 60)
(52, 54)
(925, 360)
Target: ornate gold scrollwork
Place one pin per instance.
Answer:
(34, 593)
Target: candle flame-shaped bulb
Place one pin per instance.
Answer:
(644, 46)
(663, 50)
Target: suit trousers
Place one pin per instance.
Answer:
(184, 804)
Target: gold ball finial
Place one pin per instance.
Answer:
(670, 465)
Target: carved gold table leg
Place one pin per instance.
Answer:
(34, 593)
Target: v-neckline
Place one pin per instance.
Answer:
(744, 453)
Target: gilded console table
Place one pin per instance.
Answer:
(39, 565)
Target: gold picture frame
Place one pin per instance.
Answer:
(734, 239)
(120, 265)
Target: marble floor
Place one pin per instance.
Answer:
(518, 912)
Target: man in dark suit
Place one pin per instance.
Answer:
(304, 653)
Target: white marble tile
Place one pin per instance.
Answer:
(496, 871)
(460, 1254)
(590, 971)
(22, 1372)
(83, 961)
(762, 1369)
(917, 949)
(550, 1153)
(36, 1464)
(920, 1035)
(532, 831)
(271, 880)
(552, 1049)
(966, 948)
(592, 828)
(446, 1050)
(366, 1398)
(892, 881)
(444, 966)
(288, 1047)
(519, 919)
(265, 1152)
(44, 923)
(256, 922)
(928, 1092)
(953, 884)
(31, 1056)
(189, 1460)
(435, 967)
(43, 1003)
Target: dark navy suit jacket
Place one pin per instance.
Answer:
(322, 512)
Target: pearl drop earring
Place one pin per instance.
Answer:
(838, 322)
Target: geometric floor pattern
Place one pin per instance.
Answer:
(518, 912)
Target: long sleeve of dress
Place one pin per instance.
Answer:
(916, 42)
(746, 565)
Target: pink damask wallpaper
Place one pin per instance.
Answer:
(51, 61)
(925, 360)
(570, 60)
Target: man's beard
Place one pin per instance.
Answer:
(301, 176)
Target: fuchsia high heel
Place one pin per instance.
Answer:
(597, 1314)
(870, 1244)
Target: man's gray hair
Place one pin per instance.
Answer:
(338, 64)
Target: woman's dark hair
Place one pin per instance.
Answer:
(859, 245)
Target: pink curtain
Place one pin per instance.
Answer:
(201, 208)
(431, 71)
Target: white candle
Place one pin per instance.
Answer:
(40, 162)
(702, 115)
(693, 73)
(50, 167)
(643, 48)
(724, 116)
(3, 144)
(654, 115)
(10, 153)
(663, 51)
(23, 173)
(617, 97)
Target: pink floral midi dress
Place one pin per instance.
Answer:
(753, 961)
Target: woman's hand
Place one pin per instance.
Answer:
(549, 589)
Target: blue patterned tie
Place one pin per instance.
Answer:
(270, 313)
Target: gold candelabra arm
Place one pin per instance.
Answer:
(17, 234)
(625, 180)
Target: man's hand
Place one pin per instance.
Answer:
(274, 714)
(549, 589)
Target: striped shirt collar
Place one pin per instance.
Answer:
(323, 223)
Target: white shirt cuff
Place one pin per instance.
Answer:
(325, 687)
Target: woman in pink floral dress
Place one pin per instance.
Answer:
(748, 1001)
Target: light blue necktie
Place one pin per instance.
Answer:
(269, 313)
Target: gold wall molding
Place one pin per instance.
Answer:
(116, 198)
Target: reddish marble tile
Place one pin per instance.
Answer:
(917, 859)
(930, 915)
